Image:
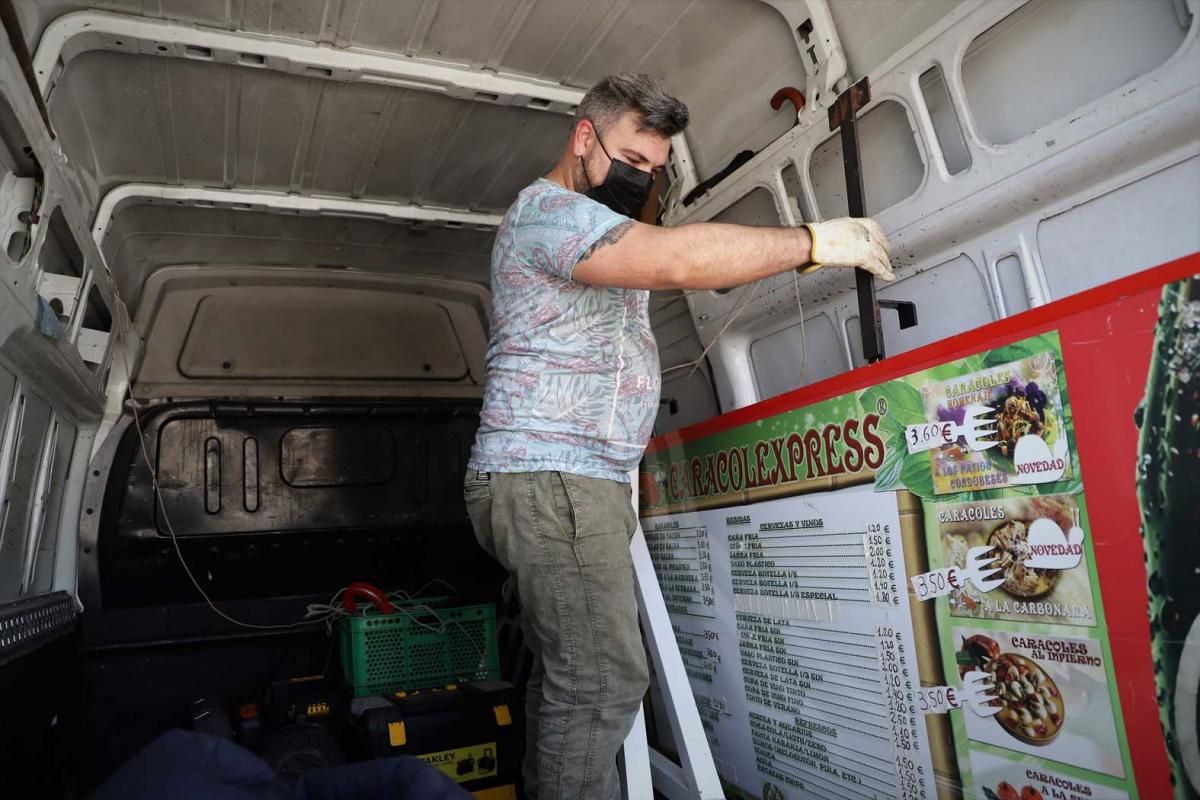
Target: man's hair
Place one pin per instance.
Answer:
(644, 94)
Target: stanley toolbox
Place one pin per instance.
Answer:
(473, 732)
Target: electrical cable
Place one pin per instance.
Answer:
(733, 314)
(803, 335)
(744, 299)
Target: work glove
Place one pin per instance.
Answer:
(849, 242)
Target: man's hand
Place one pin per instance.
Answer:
(850, 242)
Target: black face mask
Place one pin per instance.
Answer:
(625, 188)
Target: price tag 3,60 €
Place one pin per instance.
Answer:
(977, 430)
(929, 436)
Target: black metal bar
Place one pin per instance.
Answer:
(869, 321)
(844, 114)
(32, 622)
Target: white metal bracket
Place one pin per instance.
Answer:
(684, 177)
(811, 24)
(63, 288)
(282, 203)
(48, 366)
(16, 200)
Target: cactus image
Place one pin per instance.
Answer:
(1168, 490)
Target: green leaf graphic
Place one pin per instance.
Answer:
(888, 475)
(904, 404)
(917, 474)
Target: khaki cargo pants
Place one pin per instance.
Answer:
(564, 539)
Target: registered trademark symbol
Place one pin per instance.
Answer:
(881, 406)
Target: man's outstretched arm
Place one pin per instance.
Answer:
(711, 255)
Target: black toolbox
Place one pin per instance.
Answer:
(472, 732)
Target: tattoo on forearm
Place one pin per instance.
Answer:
(612, 237)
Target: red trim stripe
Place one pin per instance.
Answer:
(995, 334)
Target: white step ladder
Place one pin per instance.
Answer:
(644, 770)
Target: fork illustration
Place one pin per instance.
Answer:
(977, 571)
(977, 425)
(980, 690)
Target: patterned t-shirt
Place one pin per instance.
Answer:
(572, 372)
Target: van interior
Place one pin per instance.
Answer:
(244, 250)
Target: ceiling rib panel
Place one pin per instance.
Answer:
(200, 123)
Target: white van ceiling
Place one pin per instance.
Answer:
(179, 120)
(128, 112)
(137, 117)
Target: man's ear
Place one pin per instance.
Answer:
(581, 137)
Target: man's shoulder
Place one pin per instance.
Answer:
(546, 203)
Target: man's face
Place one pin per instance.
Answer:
(641, 149)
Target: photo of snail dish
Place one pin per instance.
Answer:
(1030, 703)
(1022, 402)
(997, 778)
(1052, 694)
(1020, 529)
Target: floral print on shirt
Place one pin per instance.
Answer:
(572, 374)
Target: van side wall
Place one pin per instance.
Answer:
(1015, 153)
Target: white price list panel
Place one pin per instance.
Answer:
(805, 662)
(683, 556)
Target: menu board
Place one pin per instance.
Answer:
(1009, 501)
(792, 617)
(958, 576)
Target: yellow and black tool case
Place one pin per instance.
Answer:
(472, 732)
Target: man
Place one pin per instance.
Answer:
(571, 394)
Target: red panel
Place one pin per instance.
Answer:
(1106, 355)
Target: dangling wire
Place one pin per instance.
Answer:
(748, 293)
(803, 335)
(744, 300)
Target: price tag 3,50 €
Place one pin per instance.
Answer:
(977, 691)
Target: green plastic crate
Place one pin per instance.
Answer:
(384, 653)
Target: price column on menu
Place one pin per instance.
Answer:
(902, 713)
(895, 661)
(880, 567)
(682, 556)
